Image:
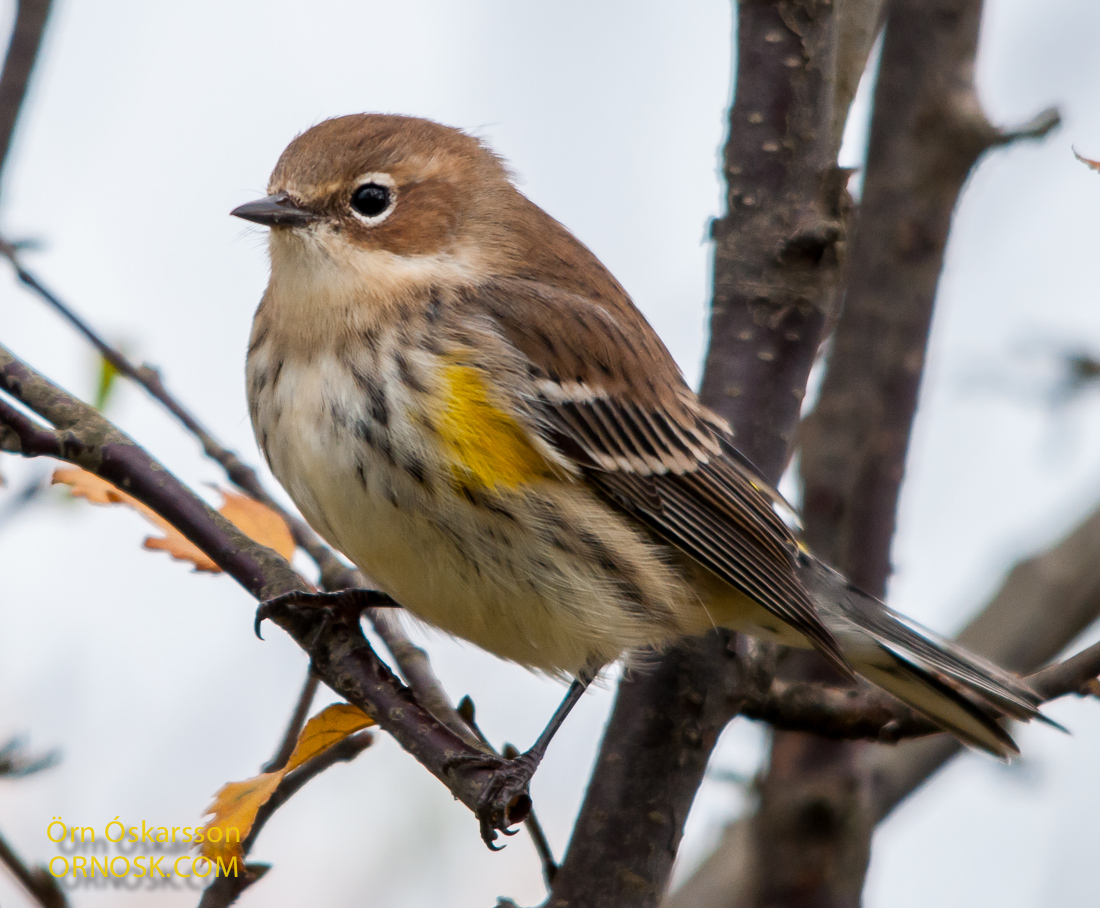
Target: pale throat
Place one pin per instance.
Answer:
(325, 289)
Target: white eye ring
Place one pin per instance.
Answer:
(375, 179)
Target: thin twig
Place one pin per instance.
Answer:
(15, 762)
(225, 890)
(26, 41)
(296, 724)
(239, 473)
(36, 881)
(869, 714)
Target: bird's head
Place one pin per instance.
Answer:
(370, 210)
(396, 184)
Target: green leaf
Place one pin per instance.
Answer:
(108, 374)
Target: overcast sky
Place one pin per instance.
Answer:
(148, 122)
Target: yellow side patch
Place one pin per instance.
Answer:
(487, 446)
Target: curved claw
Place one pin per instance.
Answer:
(265, 608)
(489, 835)
(351, 601)
(261, 616)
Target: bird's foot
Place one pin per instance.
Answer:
(345, 605)
(505, 800)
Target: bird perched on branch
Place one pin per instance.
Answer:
(460, 397)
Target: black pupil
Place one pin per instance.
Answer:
(370, 199)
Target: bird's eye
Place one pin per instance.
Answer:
(371, 199)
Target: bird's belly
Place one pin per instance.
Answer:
(543, 575)
(477, 576)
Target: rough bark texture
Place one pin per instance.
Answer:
(927, 132)
(810, 837)
(776, 250)
(858, 24)
(812, 831)
(654, 752)
(775, 263)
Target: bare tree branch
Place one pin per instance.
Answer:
(810, 837)
(1073, 676)
(865, 713)
(26, 40)
(859, 23)
(417, 671)
(15, 762)
(927, 133)
(776, 250)
(147, 377)
(338, 651)
(654, 753)
(853, 444)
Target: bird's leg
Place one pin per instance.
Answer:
(348, 604)
(509, 783)
(535, 753)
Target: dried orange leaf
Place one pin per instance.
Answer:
(234, 811)
(332, 724)
(90, 487)
(255, 520)
(237, 803)
(181, 548)
(83, 484)
(1095, 165)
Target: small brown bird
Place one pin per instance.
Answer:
(461, 398)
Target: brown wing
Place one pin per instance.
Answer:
(615, 403)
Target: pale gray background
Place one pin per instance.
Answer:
(149, 121)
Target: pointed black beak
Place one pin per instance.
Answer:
(278, 210)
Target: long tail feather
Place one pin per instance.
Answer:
(958, 690)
